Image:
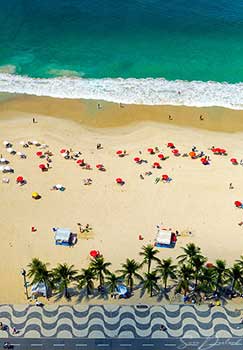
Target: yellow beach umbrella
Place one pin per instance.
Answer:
(35, 195)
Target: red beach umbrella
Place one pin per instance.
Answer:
(93, 253)
(62, 150)
(42, 166)
(20, 179)
(165, 177)
(150, 150)
(119, 152)
(136, 159)
(119, 180)
(80, 161)
(223, 151)
(234, 160)
(175, 151)
(98, 166)
(170, 145)
(161, 156)
(238, 204)
(209, 265)
(39, 154)
(156, 165)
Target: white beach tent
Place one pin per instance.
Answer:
(3, 160)
(164, 237)
(62, 236)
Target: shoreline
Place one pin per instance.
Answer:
(111, 115)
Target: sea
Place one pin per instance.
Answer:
(177, 52)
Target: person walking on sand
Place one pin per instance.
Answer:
(231, 187)
(170, 117)
(201, 117)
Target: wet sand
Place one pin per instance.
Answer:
(113, 115)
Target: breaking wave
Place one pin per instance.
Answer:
(148, 91)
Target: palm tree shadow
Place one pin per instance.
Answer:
(59, 295)
(163, 294)
(142, 292)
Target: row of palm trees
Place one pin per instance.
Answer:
(191, 274)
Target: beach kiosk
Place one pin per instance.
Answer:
(165, 239)
(63, 236)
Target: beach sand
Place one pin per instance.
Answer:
(198, 198)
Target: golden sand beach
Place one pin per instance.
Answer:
(198, 198)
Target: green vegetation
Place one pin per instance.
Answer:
(192, 276)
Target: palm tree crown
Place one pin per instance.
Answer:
(129, 271)
(149, 255)
(63, 276)
(100, 267)
(86, 280)
(150, 282)
(39, 273)
(166, 270)
(190, 251)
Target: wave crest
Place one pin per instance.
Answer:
(148, 91)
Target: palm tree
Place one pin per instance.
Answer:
(166, 270)
(235, 277)
(220, 271)
(150, 282)
(190, 251)
(39, 273)
(207, 280)
(240, 262)
(149, 255)
(198, 261)
(63, 276)
(100, 267)
(184, 275)
(129, 271)
(112, 280)
(86, 279)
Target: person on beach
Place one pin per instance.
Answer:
(99, 146)
(170, 117)
(99, 106)
(201, 117)
(231, 187)
(33, 120)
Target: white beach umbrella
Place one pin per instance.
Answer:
(10, 150)
(1, 167)
(3, 160)
(36, 143)
(7, 168)
(22, 143)
(42, 146)
(5, 143)
(58, 186)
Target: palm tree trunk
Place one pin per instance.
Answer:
(46, 287)
(165, 283)
(149, 265)
(131, 284)
(66, 291)
(151, 292)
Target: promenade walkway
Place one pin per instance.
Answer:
(124, 322)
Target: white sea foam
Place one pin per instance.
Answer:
(130, 91)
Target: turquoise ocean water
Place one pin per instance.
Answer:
(175, 51)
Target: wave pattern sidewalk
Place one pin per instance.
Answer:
(113, 321)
